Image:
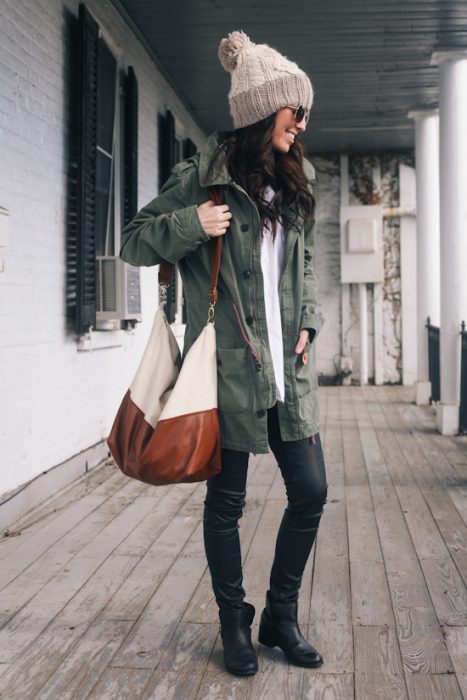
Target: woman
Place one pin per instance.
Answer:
(266, 317)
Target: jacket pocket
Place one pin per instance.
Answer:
(306, 379)
(233, 380)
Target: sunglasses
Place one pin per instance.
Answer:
(300, 113)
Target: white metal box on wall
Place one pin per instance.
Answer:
(361, 244)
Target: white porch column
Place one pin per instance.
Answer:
(428, 253)
(453, 207)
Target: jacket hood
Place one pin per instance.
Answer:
(218, 174)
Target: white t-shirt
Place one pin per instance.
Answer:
(272, 261)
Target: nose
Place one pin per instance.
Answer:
(301, 126)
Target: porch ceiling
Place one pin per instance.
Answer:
(369, 60)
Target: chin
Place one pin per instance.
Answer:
(282, 147)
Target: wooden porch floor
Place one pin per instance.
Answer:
(105, 592)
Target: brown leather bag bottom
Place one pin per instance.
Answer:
(165, 454)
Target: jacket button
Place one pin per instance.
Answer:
(244, 227)
(247, 274)
(249, 320)
(261, 413)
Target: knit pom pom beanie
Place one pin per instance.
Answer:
(263, 81)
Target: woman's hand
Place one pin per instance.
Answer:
(302, 341)
(214, 218)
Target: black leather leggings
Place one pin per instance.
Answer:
(302, 465)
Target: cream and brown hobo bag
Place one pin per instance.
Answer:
(167, 428)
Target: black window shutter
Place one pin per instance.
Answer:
(131, 146)
(167, 159)
(189, 148)
(87, 139)
(167, 156)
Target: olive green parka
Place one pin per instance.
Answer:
(168, 228)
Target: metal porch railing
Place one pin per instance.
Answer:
(433, 360)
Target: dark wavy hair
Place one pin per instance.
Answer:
(254, 164)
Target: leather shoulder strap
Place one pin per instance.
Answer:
(217, 195)
(166, 268)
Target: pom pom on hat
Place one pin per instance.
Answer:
(262, 80)
(230, 49)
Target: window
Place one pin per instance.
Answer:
(108, 290)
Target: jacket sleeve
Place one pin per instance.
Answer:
(168, 228)
(312, 318)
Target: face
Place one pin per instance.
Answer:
(286, 129)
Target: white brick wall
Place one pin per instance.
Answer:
(55, 400)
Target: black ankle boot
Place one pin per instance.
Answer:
(279, 628)
(239, 654)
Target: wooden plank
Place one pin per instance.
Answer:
(82, 667)
(378, 667)
(424, 532)
(56, 558)
(40, 517)
(217, 684)
(364, 543)
(120, 684)
(3, 668)
(462, 680)
(354, 462)
(328, 686)
(33, 547)
(129, 601)
(451, 526)
(422, 686)
(421, 641)
(371, 602)
(392, 454)
(42, 658)
(330, 628)
(447, 590)
(277, 679)
(39, 542)
(152, 633)
(448, 519)
(456, 641)
(29, 622)
(182, 665)
(165, 504)
(458, 495)
(450, 450)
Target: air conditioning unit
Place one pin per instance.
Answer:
(118, 290)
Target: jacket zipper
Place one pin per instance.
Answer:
(256, 359)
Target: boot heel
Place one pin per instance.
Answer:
(266, 636)
(267, 641)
